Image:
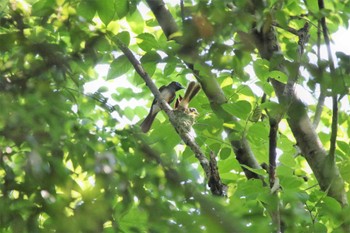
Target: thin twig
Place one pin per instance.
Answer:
(303, 35)
(318, 40)
(288, 29)
(274, 121)
(96, 96)
(272, 150)
(319, 108)
(322, 97)
(313, 218)
(272, 171)
(182, 11)
(215, 184)
(334, 126)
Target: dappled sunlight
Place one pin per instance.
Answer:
(247, 116)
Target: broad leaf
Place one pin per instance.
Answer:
(118, 67)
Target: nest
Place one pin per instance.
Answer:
(185, 119)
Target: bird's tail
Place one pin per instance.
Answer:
(147, 122)
(192, 90)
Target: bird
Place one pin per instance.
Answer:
(192, 90)
(185, 116)
(168, 93)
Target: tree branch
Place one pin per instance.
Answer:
(215, 184)
(163, 15)
(293, 77)
(244, 156)
(272, 150)
(189, 141)
(325, 170)
(211, 89)
(334, 126)
(319, 108)
(322, 97)
(182, 6)
(274, 183)
(223, 220)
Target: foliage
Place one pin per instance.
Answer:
(69, 162)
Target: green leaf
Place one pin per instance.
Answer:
(240, 109)
(250, 189)
(87, 9)
(246, 90)
(290, 182)
(282, 18)
(345, 170)
(136, 22)
(119, 66)
(266, 87)
(238, 128)
(169, 67)
(134, 215)
(330, 206)
(283, 170)
(43, 7)
(278, 75)
(122, 8)
(215, 146)
(102, 89)
(287, 160)
(292, 51)
(153, 57)
(148, 42)
(261, 171)
(103, 44)
(225, 153)
(228, 177)
(320, 228)
(7, 40)
(106, 10)
(274, 108)
(229, 164)
(295, 7)
(124, 37)
(261, 69)
(258, 131)
(312, 6)
(276, 60)
(149, 62)
(129, 113)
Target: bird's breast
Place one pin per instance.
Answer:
(167, 95)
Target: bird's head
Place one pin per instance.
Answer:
(177, 86)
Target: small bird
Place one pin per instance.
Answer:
(168, 94)
(185, 116)
(192, 90)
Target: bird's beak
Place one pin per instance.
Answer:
(193, 112)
